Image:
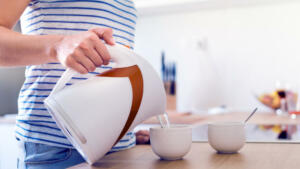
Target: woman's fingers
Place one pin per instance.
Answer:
(106, 34)
(142, 139)
(73, 64)
(101, 50)
(143, 132)
(94, 56)
(91, 53)
(85, 51)
(82, 59)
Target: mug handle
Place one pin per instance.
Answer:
(120, 54)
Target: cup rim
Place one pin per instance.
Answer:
(224, 123)
(173, 127)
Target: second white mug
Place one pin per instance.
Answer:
(226, 137)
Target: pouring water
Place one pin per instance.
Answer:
(164, 120)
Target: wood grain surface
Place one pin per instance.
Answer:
(202, 156)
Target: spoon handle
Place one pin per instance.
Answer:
(251, 115)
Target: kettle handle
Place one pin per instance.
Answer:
(119, 54)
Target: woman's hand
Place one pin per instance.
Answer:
(142, 137)
(85, 51)
(82, 52)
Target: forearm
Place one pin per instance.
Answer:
(20, 50)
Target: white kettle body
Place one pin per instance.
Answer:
(96, 113)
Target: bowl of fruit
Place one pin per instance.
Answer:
(281, 101)
(271, 100)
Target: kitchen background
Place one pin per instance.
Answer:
(226, 52)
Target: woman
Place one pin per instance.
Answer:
(59, 34)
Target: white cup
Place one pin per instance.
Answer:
(226, 137)
(171, 143)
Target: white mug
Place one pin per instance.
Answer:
(226, 137)
(171, 143)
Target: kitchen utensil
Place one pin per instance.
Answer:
(171, 143)
(226, 137)
(96, 113)
(251, 115)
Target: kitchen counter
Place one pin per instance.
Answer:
(252, 156)
(8, 119)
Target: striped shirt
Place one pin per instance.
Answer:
(66, 17)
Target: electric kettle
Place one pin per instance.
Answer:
(96, 113)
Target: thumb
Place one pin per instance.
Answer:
(106, 34)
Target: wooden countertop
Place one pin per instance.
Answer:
(252, 156)
(202, 156)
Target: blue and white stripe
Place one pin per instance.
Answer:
(66, 17)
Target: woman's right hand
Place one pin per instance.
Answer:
(85, 51)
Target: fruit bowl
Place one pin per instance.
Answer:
(279, 99)
(271, 100)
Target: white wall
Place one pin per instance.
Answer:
(248, 49)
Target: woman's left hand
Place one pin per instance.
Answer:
(142, 137)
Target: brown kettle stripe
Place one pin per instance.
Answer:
(136, 79)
